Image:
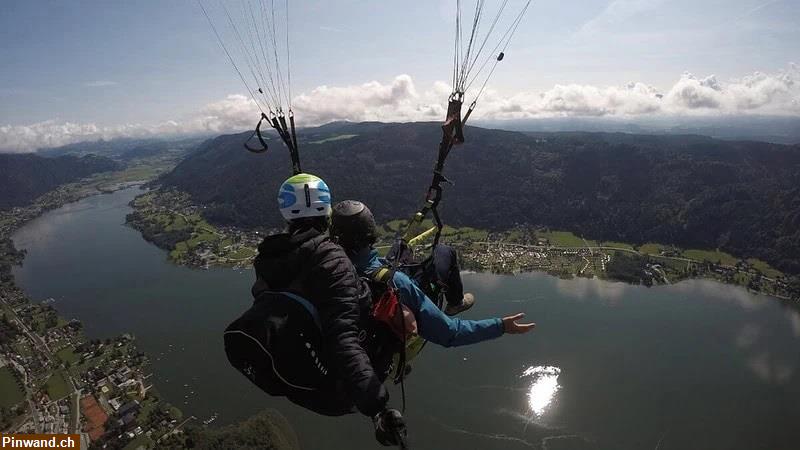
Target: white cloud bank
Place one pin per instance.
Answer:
(400, 100)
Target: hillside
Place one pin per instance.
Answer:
(739, 196)
(25, 177)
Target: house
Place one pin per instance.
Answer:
(127, 422)
(115, 403)
(127, 383)
(127, 408)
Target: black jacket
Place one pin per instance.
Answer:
(307, 261)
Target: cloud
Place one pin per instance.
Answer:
(51, 133)
(768, 364)
(593, 289)
(395, 101)
(100, 83)
(400, 100)
(769, 368)
(760, 93)
(234, 113)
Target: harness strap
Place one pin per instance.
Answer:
(385, 275)
(382, 275)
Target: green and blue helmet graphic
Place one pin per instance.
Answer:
(304, 195)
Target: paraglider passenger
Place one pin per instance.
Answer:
(443, 274)
(354, 228)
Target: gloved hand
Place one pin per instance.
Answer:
(390, 427)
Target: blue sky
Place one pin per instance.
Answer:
(119, 65)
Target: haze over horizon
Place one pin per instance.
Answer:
(154, 68)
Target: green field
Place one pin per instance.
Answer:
(340, 137)
(57, 386)
(388, 230)
(516, 236)
(563, 239)
(473, 234)
(242, 253)
(180, 251)
(395, 225)
(148, 406)
(67, 355)
(651, 248)
(141, 441)
(139, 173)
(711, 256)
(765, 268)
(615, 245)
(202, 233)
(11, 391)
(178, 223)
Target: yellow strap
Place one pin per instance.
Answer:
(381, 275)
(422, 236)
(413, 224)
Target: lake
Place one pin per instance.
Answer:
(695, 365)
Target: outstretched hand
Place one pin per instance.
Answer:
(511, 326)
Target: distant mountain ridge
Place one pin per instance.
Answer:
(774, 129)
(124, 149)
(23, 177)
(740, 196)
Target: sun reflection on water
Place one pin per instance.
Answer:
(543, 388)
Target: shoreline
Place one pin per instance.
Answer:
(52, 359)
(171, 221)
(465, 271)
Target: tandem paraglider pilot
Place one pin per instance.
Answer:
(317, 334)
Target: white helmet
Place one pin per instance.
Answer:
(304, 195)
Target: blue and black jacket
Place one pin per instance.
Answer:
(433, 325)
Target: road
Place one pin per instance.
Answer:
(45, 350)
(77, 416)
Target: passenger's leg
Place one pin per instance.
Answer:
(445, 263)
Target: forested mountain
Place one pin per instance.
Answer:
(27, 176)
(741, 196)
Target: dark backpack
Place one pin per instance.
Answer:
(277, 344)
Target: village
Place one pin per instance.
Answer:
(616, 263)
(172, 221)
(54, 380)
